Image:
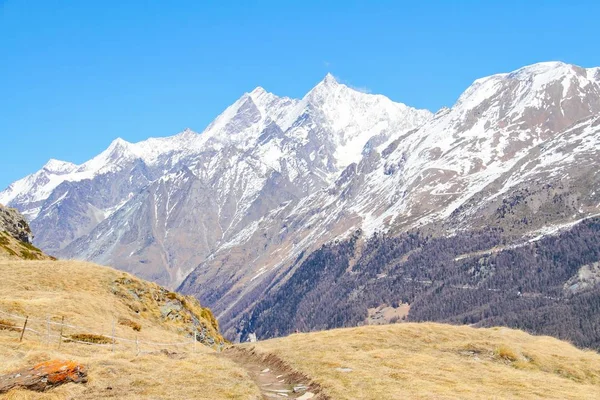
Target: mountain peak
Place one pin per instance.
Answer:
(330, 79)
(118, 142)
(259, 90)
(263, 99)
(550, 70)
(58, 166)
(324, 88)
(259, 96)
(186, 132)
(530, 84)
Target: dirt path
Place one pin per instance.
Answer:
(274, 377)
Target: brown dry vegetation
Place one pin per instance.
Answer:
(436, 361)
(11, 248)
(412, 361)
(123, 375)
(93, 297)
(132, 324)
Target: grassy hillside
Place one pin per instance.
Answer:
(92, 297)
(13, 249)
(436, 361)
(401, 361)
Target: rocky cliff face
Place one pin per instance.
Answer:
(13, 223)
(15, 237)
(226, 213)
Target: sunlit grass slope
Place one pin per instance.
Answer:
(13, 249)
(436, 361)
(93, 299)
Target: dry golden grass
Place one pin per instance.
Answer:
(89, 296)
(436, 361)
(401, 361)
(13, 249)
(86, 295)
(123, 375)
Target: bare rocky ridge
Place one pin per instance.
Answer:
(15, 237)
(230, 213)
(13, 223)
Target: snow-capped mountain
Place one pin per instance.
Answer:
(495, 123)
(448, 174)
(162, 206)
(229, 213)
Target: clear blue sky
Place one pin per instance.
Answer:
(74, 75)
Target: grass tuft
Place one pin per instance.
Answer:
(7, 325)
(89, 338)
(506, 353)
(132, 324)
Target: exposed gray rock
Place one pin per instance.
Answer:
(14, 223)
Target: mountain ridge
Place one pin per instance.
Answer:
(225, 213)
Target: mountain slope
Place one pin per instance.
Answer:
(445, 176)
(433, 361)
(99, 302)
(91, 296)
(547, 285)
(226, 214)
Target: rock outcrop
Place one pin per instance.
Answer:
(15, 237)
(14, 223)
(44, 376)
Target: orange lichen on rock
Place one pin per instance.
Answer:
(59, 372)
(44, 376)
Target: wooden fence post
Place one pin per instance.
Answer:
(62, 325)
(137, 346)
(48, 330)
(23, 330)
(113, 335)
(195, 339)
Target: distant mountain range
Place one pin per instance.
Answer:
(232, 214)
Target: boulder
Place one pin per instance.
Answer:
(44, 376)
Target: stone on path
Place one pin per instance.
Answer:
(279, 390)
(306, 396)
(344, 369)
(300, 388)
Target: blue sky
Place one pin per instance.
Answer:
(74, 75)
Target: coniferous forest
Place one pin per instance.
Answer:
(543, 287)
